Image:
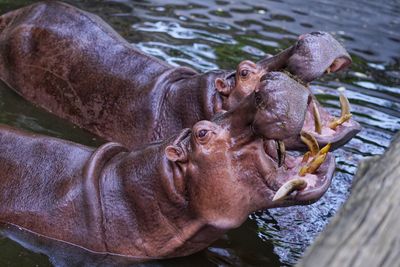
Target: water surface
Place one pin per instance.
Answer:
(208, 34)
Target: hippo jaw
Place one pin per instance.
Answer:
(308, 65)
(291, 186)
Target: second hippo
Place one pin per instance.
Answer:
(73, 64)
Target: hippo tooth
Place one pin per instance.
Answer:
(345, 112)
(289, 187)
(335, 123)
(313, 166)
(325, 149)
(281, 151)
(328, 70)
(306, 157)
(317, 118)
(311, 142)
(344, 105)
(315, 162)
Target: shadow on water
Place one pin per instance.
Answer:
(218, 34)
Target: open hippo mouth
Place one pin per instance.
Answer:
(303, 179)
(314, 55)
(308, 65)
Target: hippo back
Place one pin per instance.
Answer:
(48, 186)
(73, 64)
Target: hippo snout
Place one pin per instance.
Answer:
(308, 64)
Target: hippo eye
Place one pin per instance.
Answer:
(202, 133)
(244, 73)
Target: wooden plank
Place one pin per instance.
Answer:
(366, 230)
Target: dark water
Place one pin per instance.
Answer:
(219, 34)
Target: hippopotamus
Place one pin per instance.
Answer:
(166, 199)
(74, 65)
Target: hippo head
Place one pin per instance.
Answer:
(228, 168)
(317, 53)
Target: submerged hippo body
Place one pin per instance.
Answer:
(73, 64)
(168, 199)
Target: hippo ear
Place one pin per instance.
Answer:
(175, 153)
(222, 87)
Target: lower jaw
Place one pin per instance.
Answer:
(324, 178)
(317, 183)
(337, 138)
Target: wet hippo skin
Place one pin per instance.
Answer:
(167, 199)
(73, 64)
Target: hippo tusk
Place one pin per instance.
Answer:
(345, 114)
(325, 149)
(328, 70)
(281, 151)
(306, 157)
(344, 105)
(313, 165)
(317, 118)
(339, 121)
(311, 142)
(316, 162)
(289, 187)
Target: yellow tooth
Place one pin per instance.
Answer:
(306, 157)
(313, 166)
(345, 114)
(344, 105)
(335, 123)
(325, 149)
(317, 118)
(304, 170)
(281, 153)
(328, 70)
(289, 187)
(311, 142)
